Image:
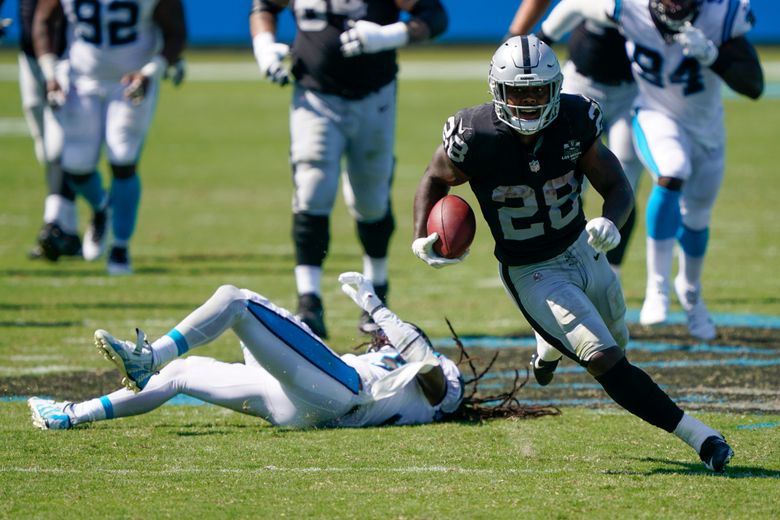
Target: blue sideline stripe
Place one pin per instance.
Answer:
(758, 426)
(307, 346)
(107, 407)
(644, 148)
(181, 343)
(728, 23)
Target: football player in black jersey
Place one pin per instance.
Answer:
(525, 156)
(59, 234)
(599, 68)
(343, 106)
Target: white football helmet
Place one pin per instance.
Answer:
(525, 61)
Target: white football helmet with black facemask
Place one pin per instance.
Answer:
(525, 61)
(674, 14)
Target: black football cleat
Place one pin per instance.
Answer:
(715, 453)
(543, 370)
(310, 312)
(53, 243)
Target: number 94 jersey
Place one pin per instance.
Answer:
(530, 196)
(109, 38)
(670, 82)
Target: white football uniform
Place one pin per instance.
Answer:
(671, 83)
(289, 376)
(106, 40)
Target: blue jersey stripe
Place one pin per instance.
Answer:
(728, 22)
(181, 343)
(618, 10)
(644, 147)
(107, 407)
(307, 346)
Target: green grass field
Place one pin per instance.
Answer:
(215, 210)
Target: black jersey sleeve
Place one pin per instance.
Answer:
(584, 118)
(464, 138)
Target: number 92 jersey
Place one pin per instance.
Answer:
(109, 38)
(530, 197)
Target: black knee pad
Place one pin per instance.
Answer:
(311, 236)
(375, 236)
(615, 256)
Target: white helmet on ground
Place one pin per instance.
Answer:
(525, 61)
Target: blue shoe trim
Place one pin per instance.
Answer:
(309, 347)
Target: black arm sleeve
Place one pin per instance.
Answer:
(740, 68)
(433, 14)
(259, 6)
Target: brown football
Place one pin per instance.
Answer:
(453, 219)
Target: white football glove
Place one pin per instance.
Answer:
(423, 248)
(696, 45)
(603, 234)
(270, 58)
(363, 293)
(366, 37)
(176, 72)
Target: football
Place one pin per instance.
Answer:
(453, 219)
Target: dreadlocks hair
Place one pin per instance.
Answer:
(477, 407)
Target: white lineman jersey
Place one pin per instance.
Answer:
(109, 38)
(670, 82)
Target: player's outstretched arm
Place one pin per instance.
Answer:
(406, 338)
(427, 20)
(568, 14)
(528, 14)
(739, 66)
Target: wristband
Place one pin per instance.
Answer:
(155, 67)
(47, 62)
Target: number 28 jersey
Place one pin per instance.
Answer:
(530, 197)
(109, 38)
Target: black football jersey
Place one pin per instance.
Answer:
(317, 60)
(530, 197)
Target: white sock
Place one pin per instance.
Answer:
(375, 269)
(545, 351)
(694, 432)
(308, 279)
(691, 269)
(88, 411)
(660, 254)
(62, 211)
(164, 350)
